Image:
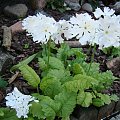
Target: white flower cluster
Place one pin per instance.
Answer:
(19, 102)
(104, 30)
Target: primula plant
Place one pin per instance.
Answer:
(64, 78)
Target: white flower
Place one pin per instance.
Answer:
(107, 12)
(40, 27)
(62, 27)
(19, 102)
(84, 27)
(108, 33)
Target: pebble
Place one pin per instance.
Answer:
(87, 7)
(73, 4)
(16, 11)
(116, 7)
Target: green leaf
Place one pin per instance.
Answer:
(63, 52)
(116, 51)
(84, 99)
(114, 97)
(36, 110)
(8, 114)
(30, 118)
(62, 75)
(49, 106)
(42, 64)
(80, 82)
(68, 103)
(77, 52)
(30, 75)
(3, 83)
(105, 98)
(54, 63)
(24, 62)
(97, 102)
(50, 86)
(77, 69)
(94, 68)
(1, 112)
(105, 79)
(112, 51)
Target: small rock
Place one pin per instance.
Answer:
(38, 4)
(82, 113)
(116, 7)
(16, 11)
(106, 110)
(7, 37)
(73, 4)
(6, 61)
(17, 27)
(87, 7)
(114, 66)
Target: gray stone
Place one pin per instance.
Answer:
(6, 61)
(16, 11)
(85, 113)
(116, 7)
(118, 106)
(73, 4)
(87, 7)
(106, 110)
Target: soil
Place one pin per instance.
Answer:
(23, 46)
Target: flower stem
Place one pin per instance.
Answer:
(92, 58)
(48, 51)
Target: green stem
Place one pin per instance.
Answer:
(92, 58)
(48, 51)
(45, 45)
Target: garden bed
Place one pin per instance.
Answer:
(23, 47)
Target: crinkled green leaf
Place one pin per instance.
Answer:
(30, 75)
(105, 98)
(49, 106)
(77, 69)
(62, 75)
(114, 97)
(8, 114)
(36, 110)
(65, 52)
(84, 99)
(42, 64)
(24, 62)
(112, 51)
(94, 68)
(68, 103)
(50, 86)
(80, 82)
(76, 52)
(97, 102)
(105, 79)
(62, 52)
(54, 63)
